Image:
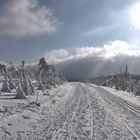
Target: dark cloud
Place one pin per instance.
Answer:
(87, 68)
(78, 24)
(88, 62)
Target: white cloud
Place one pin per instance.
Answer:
(108, 51)
(87, 50)
(56, 55)
(25, 18)
(115, 48)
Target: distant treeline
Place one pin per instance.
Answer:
(121, 81)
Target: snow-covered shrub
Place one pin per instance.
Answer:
(20, 93)
(122, 81)
(25, 86)
(40, 86)
(11, 83)
(32, 88)
(5, 86)
(26, 82)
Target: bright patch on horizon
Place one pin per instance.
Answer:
(135, 15)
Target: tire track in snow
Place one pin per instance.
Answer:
(75, 120)
(81, 115)
(62, 131)
(109, 98)
(55, 119)
(134, 131)
(122, 102)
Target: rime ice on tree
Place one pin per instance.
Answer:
(5, 86)
(48, 76)
(26, 83)
(20, 92)
(11, 83)
(42, 64)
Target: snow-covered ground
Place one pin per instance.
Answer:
(127, 96)
(69, 112)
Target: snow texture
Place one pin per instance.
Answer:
(72, 111)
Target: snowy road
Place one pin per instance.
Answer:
(83, 112)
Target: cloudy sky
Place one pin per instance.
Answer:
(83, 37)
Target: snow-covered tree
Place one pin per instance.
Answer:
(41, 66)
(48, 75)
(5, 86)
(20, 93)
(32, 88)
(11, 82)
(26, 83)
(2, 69)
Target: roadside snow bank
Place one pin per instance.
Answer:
(128, 96)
